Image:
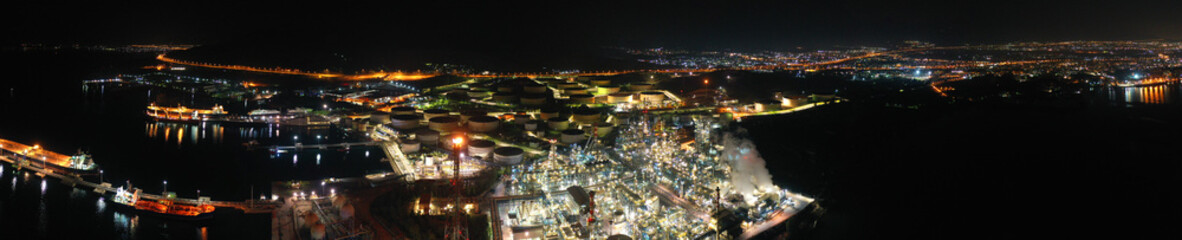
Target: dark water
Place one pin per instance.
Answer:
(1109, 169)
(44, 102)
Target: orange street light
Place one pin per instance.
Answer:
(457, 141)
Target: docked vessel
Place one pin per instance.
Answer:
(182, 113)
(162, 207)
(25, 155)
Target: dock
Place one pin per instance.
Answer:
(248, 206)
(299, 146)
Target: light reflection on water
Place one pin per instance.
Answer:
(1154, 94)
(125, 226)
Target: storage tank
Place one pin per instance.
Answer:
(572, 136)
(506, 89)
(534, 88)
(502, 97)
(532, 125)
(550, 112)
(508, 155)
(427, 137)
(521, 118)
(464, 116)
(410, 146)
(619, 97)
(458, 93)
(602, 129)
(476, 92)
(432, 113)
(582, 99)
(652, 96)
(640, 87)
(483, 124)
(402, 111)
(379, 117)
(443, 124)
(405, 121)
(586, 115)
(566, 85)
(558, 123)
(608, 89)
(533, 99)
(574, 90)
(600, 82)
(481, 148)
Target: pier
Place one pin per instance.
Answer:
(299, 146)
(248, 206)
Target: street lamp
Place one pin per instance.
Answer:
(165, 188)
(100, 176)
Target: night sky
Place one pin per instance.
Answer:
(710, 25)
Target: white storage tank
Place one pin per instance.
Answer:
(602, 129)
(534, 88)
(405, 121)
(508, 155)
(586, 115)
(464, 116)
(652, 96)
(521, 118)
(379, 117)
(532, 125)
(582, 99)
(574, 90)
(410, 146)
(619, 97)
(609, 89)
(503, 97)
(444, 124)
(506, 89)
(478, 92)
(427, 137)
(481, 148)
(547, 113)
(433, 113)
(572, 136)
(533, 99)
(558, 123)
(402, 111)
(483, 124)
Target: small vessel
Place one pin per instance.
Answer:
(182, 113)
(163, 207)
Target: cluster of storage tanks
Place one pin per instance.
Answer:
(531, 93)
(408, 120)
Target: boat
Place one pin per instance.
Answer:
(164, 208)
(182, 113)
(22, 154)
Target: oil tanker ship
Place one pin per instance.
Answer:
(162, 207)
(24, 155)
(182, 113)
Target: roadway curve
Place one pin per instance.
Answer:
(403, 76)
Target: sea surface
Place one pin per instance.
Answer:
(45, 102)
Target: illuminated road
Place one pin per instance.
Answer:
(401, 76)
(826, 65)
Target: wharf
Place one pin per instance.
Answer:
(249, 206)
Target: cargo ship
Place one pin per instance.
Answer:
(25, 155)
(163, 207)
(182, 113)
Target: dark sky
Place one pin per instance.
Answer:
(715, 25)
